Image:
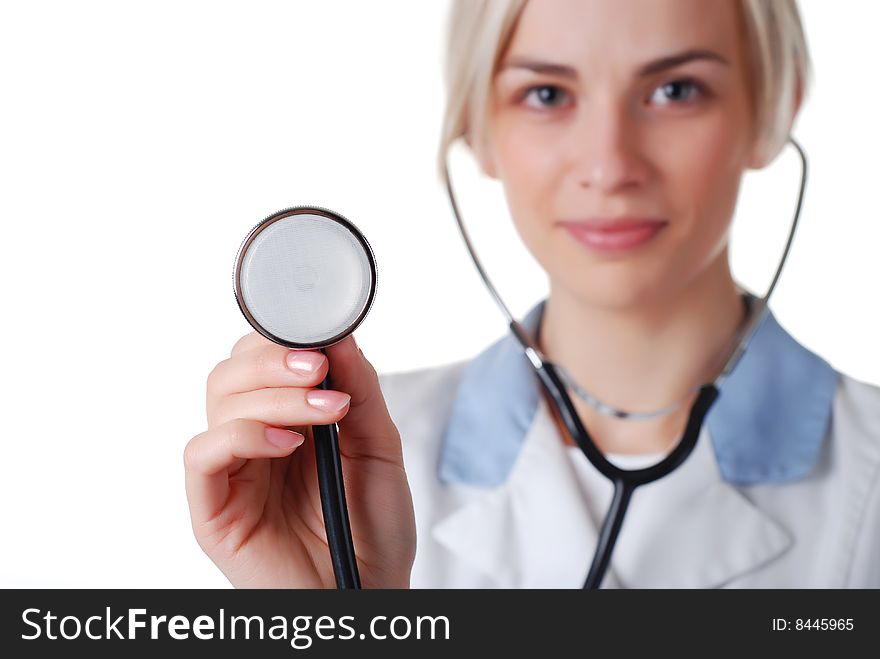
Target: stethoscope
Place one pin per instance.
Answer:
(553, 379)
(305, 277)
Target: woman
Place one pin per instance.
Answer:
(620, 132)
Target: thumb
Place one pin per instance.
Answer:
(366, 430)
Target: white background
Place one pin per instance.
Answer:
(139, 142)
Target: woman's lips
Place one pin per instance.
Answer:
(614, 235)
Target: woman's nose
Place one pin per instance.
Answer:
(606, 150)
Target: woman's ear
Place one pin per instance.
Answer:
(763, 153)
(760, 154)
(483, 154)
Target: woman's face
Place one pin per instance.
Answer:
(621, 170)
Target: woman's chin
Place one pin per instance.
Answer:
(621, 294)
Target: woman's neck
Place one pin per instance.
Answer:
(643, 359)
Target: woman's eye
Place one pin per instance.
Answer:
(677, 91)
(547, 95)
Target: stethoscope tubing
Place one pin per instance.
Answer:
(333, 503)
(626, 481)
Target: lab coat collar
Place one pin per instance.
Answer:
(526, 522)
(767, 425)
(690, 529)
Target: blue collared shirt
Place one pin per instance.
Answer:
(767, 425)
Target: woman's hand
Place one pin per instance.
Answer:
(253, 486)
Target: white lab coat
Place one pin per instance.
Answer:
(537, 526)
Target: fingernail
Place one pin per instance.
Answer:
(304, 362)
(283, 438)
(327, 400)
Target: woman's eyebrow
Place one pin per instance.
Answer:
(649, 68)
(672, 61)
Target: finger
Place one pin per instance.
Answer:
(267, 366)
(209, 457)
(282, 406)
(249, 342)
(367, 427)
(255, 340)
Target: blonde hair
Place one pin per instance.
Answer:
(478, 33)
